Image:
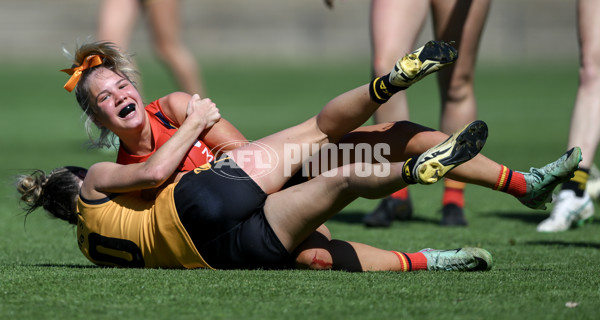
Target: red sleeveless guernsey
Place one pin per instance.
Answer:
(162, 129)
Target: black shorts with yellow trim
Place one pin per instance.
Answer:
(221, 208)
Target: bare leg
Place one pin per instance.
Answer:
(294, 213)
(165, 23)
(325, 254)
(116, 20)
(407, 139)
(352, 256)
(461, 21)
(584, 131)
(394, 31)
(340, 116)
(574, 206)
(454, 20)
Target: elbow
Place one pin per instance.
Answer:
(157, 175)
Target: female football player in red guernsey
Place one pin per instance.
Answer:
(141, 130)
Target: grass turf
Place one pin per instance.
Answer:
(43, 274)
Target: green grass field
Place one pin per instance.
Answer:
(44, 276)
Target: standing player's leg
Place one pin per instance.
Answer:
(574, 206)
(395, 26)
(165, 23)
(462, 22)
(116, 19)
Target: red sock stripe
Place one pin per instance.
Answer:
(511, 182)
(503, 179)
(405, 263)
(510, 173)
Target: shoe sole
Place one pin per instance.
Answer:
(429, 58)
(460, 147)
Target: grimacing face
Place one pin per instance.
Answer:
(118, 103)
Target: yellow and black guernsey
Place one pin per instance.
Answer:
(125, 230)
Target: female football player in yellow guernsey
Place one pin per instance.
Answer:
(231, 214)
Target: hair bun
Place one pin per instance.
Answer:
(31, 187)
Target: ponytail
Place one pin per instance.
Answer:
(56, 192)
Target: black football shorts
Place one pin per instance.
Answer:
(221, 208)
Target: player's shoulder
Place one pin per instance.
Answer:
(174, 99)
(99, 168)
(174, 105)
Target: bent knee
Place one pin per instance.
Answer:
(314, 259)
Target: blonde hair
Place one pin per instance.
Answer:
(56, 192)
(112, 59)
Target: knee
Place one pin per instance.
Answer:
(460, 88)
(589, 71)
(314, 252)
(314, 259)
(162, 49)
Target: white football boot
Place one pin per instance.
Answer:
(569, 211)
